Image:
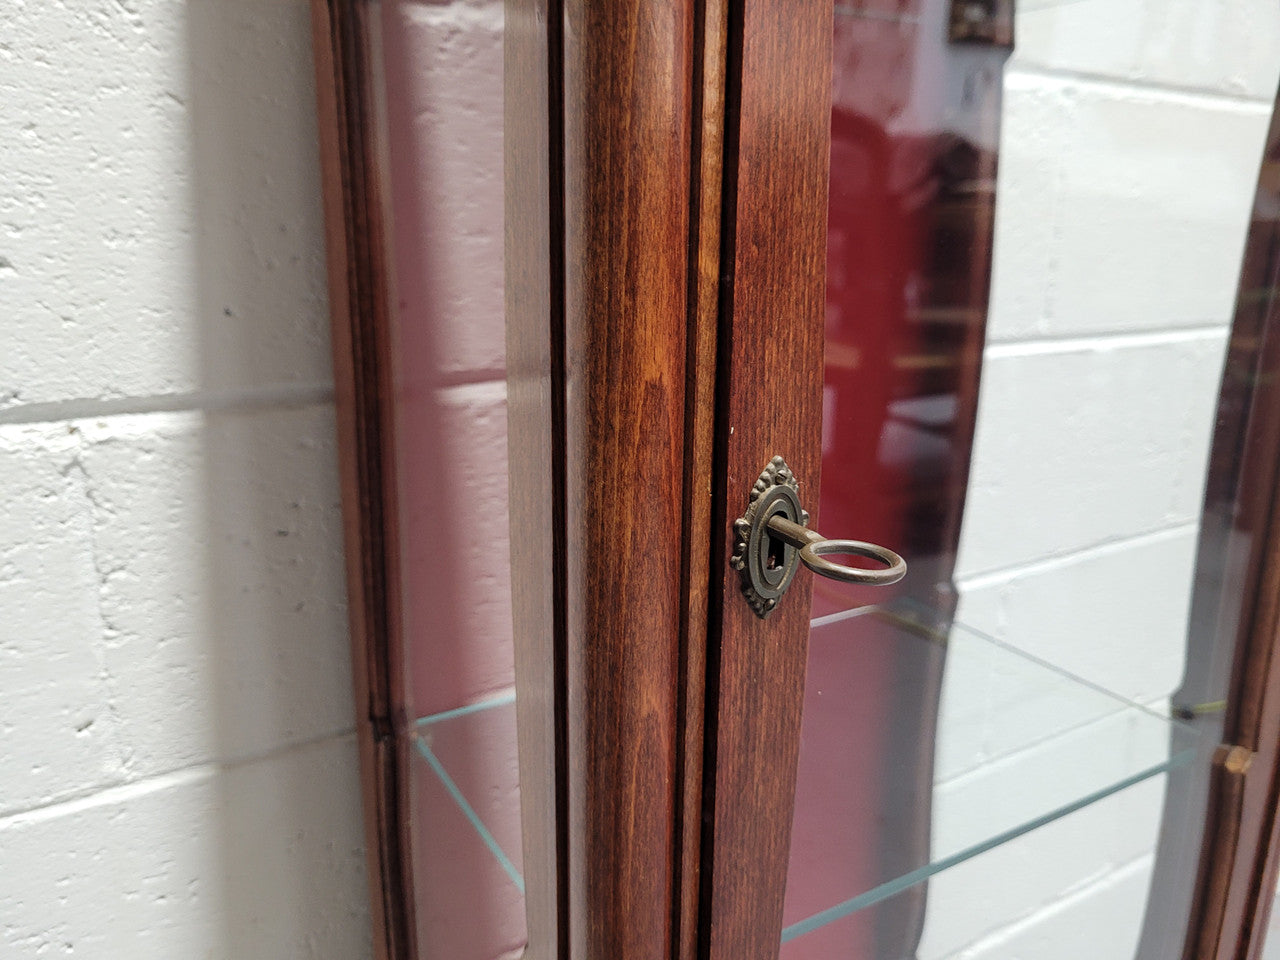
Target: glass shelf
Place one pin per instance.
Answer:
(1020, 744)
(465, 818)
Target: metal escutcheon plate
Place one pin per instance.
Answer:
(767, 562)
(773, 540)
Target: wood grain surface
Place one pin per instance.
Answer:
(344, 42)
(627, 109)
(706, 185)
(775, 202)
(657, 313)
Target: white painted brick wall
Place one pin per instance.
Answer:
(1132, 135)
(178, 776)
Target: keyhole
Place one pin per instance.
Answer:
(773, 559)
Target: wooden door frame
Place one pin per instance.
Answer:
(354, 183)
(682, 352)
(1241, 847)
(616, 295)
(651, 377)
(598, 281)
(772, 319)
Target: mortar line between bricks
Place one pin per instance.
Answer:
(468, 378)
(482, 390)
(287, 395)
(179, 776)
(1139, 85)
(1085, 342)
(1016, 756)
(1038, 565)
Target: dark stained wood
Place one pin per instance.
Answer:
(1226, 791)
(775, 201)
(535, 428)
(700, 375)
(344, 40)
(627, 142)
(1265, 889)
(1257, 732)
(1239, 857)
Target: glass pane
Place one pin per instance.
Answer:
(1024, 375)
(971, 891)
(442, 88)
(1020, 744)
(468, 787)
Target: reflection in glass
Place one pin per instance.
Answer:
(1056, 511)
(991, 762)
(474, 831)
(913, 138)
(442, 89)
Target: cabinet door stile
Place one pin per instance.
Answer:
(628, 101)
(775, 209)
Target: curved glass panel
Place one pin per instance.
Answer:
(1023, 366)
(1023, 381)
(441, 78)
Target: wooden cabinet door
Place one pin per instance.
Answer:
(671, 330)
(690, 158)
(666, 185)
(683, 346)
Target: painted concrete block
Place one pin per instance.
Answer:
(444, 66)
(998, 706)
(217, 545)
(1102, 921)
(1052, 771)
(984, 895)
(456, 578)
(1120, 209)
(1231, 48)
(179, 140)
(259, 860)
(1087, 443)
(1115, 615)
(56, 723)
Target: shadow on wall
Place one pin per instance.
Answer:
(286, 845)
